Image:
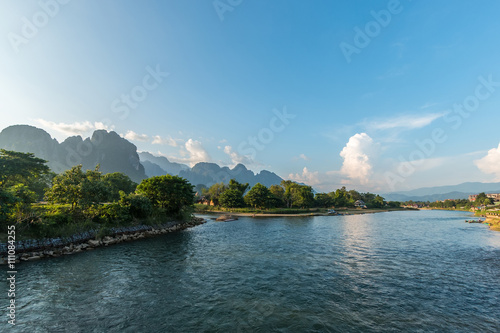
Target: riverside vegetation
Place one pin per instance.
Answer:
(286, 198)
(80, 201)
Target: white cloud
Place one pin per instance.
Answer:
(132, 136)
(405, 121)
(357, 164)
(490, 164)
(307, 177)
(158, 140)
(302, 157)
(76, 128)
(238, 158)
(192, 152)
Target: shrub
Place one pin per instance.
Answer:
(139, 206)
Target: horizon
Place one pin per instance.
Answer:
(383, 96)
(284, 178)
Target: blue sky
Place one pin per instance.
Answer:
(374, 95)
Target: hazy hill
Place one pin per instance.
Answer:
(211, 173)
(112, 152)
(460, 191)
(161, 162)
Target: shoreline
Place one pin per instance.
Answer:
(493, 222)
(340, 213)
(91, 244)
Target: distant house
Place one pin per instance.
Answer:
(494, 196)
(360, 204)
(205, 201)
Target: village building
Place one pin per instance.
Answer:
(494, 196)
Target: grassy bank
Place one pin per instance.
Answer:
(290, 211)
(61, 221)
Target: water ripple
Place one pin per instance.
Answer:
(400, 271)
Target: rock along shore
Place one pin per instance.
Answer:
(59, 249)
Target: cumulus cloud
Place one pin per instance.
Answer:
(490, 164)
(357, 164)
(306, 177)
(76, 128)
(405, 121)
(192, 152)
(132, 136)
(238, 158)
(158, 140)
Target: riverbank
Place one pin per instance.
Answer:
(493, 222)
(49, 249)
(352, 211)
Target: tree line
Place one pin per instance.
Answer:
(287, 194)
(481, 200)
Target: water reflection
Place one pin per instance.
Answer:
(419, 271)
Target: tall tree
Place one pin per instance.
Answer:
(323, 200)
(214, 192)
(259, 196)
(232, 197)
(16, 167)
(78, 188)
(172, 193)
(118, 181)
(66, 187)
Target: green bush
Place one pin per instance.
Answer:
(113, 213)
(139, 206)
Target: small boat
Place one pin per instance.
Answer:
(226, 218)
(332, 212)
(474, 221)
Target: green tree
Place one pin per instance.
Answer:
(16, 167)
(482, 199)
(214, 192)
(7, 202)
(323, 200)
(78, 188)
(302, 196)
(341, 197)
(278, 194)
(232, 197)
(66, 187)
(94, 190)
(233, 184)
(378, 202)
(259, 196)
(288, 186)
(173, 193)
(139, 206)
(116, 182)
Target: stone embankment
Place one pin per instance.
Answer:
(90, 244)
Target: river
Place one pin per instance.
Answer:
(398, 271)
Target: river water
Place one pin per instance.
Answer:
(400, 271)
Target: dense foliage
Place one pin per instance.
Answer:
(288, 194)
(171, 193)
(81, 199)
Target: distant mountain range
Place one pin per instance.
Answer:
(159, 165)
(461, 191)
(112, 152)
(206, 173)
(116, 154)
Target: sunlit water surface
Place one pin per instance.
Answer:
(398, 271)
